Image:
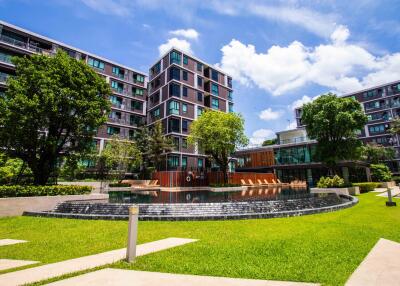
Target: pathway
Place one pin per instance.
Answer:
(120, 277)
(380, 267)
(8, 241)
(48, 271)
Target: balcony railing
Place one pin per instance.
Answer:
(21, 44)
(5, 58)
(3, 77)
(293, 140)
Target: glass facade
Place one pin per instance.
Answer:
(295, 155)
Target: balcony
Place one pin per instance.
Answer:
(23, 45)
(3, 77)
(5, 58)
(293, 140)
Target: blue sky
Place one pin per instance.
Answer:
(280, 53)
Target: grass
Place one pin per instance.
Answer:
(324, 248)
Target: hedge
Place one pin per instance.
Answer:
(367, 187)
(30, 191)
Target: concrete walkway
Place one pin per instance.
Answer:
(13, 263)
(47, 271)
(380, 267)
(8, 241)
(395, 192)
(119, 277)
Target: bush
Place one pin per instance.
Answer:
(119, 185)
(30, 191)
(396, 179)
(367, 186)
(327, 182)
(380, 173)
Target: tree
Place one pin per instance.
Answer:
(374, 153)
(142, 139)
(158, 145)
(395, 126)
(219, 134)
(11, 169)
(334, 121)
(269, 142)
(119, 156)
(52, 107)
(380, 173)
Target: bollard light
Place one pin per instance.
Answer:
(132, 233)
(390, 202)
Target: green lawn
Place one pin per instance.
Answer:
(323, 248)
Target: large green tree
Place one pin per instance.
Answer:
(334, 122)
(374, 153)
(218, 134)
(52, 107)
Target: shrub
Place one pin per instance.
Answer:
(119, 185)
(367, 186)
(380, 173)
(327, 182)
(30, 191)
(396, 179)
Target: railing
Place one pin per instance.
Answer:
(5, 58)
(3, 77)
(293, 140)
(21, 44)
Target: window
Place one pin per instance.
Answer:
(369, 94)
(230, 82)
(371, 105)
(155, 98)
(200, 163)
(112, 130)
(174, 125)
(119, 87)
(199, 67)
(175, 57)
(118, 72)
(199, 82)
(184, 75)
(230, 105)
(199, 111)
(230, 96)
(116, 101)
(185, 60)
(184, 143)
(132, 134)
(173, 162)
(137, 91)
(139, 78)
(156, 113)
(135, 120)
(199, 96)
(214, 89)
(96, 64)
(184, 107)
(377, 128)
(114, 115)
(156, 68)
(136, 105)
(176, 143)
(174, 90)
(185, 124)
(174, 107)
(184, 91)
(214, 103)
(184, 163)
(214, 75)
(174, 73)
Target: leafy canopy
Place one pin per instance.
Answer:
(374, 153)
(334, 121)
(52, 107)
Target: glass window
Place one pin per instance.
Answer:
(118, 86)
(184, 107)
(96, 63)
(377, 128)
(174, 125)
(115, 100)
(230, 107)
(230, 82)
(199, 67)
(173, 161)
(156, 113)
(214, 88)
(118, 72)
(176, 143)
(174, 107)
(184, 162)
(174, 90)
(136, 105)
(137, 91)
(112, 130)
(230, 96)
(200, 163)
(184, 75)
(199, 81)
(214, 75)
(156, 68)
(185, 60)
(199, 111)
(140, 78)
(185, 124)
(135, 120)
(184, 91)
(215, 103)
(199, 96)
(184, 143)
(174, 73)
(175, 57)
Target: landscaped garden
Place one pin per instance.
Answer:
(324, 248)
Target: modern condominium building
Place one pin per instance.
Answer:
(180, 88)
(129, 86)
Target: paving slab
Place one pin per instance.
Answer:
(380, 267)
(379, 190)
(120, 277)
(395, 192)
(13, 263)
(48, 271)
(8, 241)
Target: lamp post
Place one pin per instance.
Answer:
(132, 233)
(390, 202)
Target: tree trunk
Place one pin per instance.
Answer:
(41, 171)
(224, 169)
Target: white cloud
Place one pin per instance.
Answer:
(177, 43)
(337, 65)
(258, 136)
(300, 102)
(269, 114)
(190, 34)
(111, 7)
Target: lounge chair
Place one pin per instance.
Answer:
(261, 183)
(252, 184)
(244, 183)
(283, 184)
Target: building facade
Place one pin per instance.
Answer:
(181, 87)
(129, 87)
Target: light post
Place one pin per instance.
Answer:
(390, 202)
(132, 233)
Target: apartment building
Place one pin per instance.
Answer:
(181, 87)
(129, 86)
